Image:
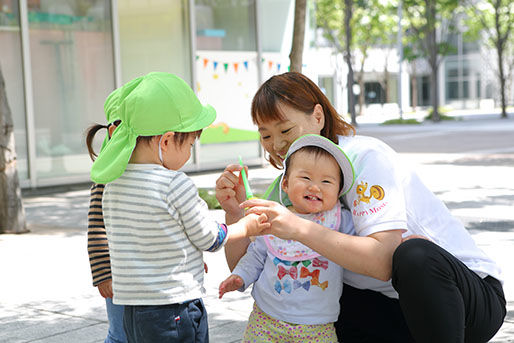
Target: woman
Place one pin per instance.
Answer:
(439, 289)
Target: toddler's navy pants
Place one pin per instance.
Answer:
(184, 322)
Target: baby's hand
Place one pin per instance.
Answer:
(256, 224)
(232, 283)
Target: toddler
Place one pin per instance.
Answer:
(157, 225)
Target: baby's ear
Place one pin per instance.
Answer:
(284, 184)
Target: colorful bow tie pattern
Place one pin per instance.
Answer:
(319, 263)
(277, 261)
(305, 285)
(287, 286)
(323, 285)
(293, 272)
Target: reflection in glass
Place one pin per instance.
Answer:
(225, 25)
(72, 73)
(10, 62)
(227, 78)
(154, 38)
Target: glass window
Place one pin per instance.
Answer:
(225, 25)
(72, 73)
(10, 63)
(452, 69)
(326, 83)
(276, 25)
(227, 79)
(452, 90)
(154, 36)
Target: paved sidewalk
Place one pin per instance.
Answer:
(46, 294)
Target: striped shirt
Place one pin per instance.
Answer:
(97, 247)
(157, 227)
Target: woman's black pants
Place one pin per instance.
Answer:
(440, 300)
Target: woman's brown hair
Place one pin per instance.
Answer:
(299, 92)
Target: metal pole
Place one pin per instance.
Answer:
(118, 79)
(29, 94)
(400, 58)
(258, 43)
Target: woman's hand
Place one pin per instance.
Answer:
(230, 191)
(284, 223)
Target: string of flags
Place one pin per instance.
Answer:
(271, 64)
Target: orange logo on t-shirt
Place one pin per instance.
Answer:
(375, 191)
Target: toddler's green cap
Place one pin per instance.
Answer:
(149, 105)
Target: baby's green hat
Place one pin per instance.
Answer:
(149, 105)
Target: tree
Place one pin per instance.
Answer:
(12, 215)
(335, 19)
(430, 22)
(348, 11)
(374, 26)
(296, 55)
(494, 18)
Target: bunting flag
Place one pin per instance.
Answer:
(226, 65)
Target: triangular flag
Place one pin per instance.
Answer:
(205, 61)
(225, 65)
(270, 64)
(197, 57)
(278, 67)
(215, 64)
(236, 65)
(246, 65)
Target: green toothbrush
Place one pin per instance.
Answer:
(249, 194)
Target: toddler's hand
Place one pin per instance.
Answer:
(232, 283)
(105, 288)
(256, 224)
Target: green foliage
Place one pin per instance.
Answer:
(424, 18)
(209, 196)
(442, 114)
(373, 23)
(401, 122)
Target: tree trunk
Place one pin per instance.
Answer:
(433, 95)
(500, 49)
(348, 30)
(360, 81)
(502, 83)
(12, 215)
(414, 86)
(432, 59)
(296, 55)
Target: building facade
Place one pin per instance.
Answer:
(60, 60)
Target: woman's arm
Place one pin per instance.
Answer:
(370, 255)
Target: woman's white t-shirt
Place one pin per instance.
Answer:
(387, 194)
